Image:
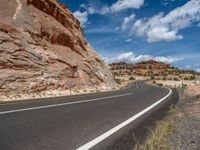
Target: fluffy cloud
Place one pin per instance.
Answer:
(82, 17)
(127, 22)
(195, 67)
(104, 10)
(121, 5)
(163, 27)
(130, 57)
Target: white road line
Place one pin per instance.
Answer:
(62, 104)
(123, 124)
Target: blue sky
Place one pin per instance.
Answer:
(135, 30)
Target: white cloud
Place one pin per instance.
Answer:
(121, 5)
(83, 6)
(163, 27)
(82, 17)
(91, 10)
(104, 10)
(195, 67)
(128, 40)
(127, 22)
(130, 57)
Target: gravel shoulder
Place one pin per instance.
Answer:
(180, 128)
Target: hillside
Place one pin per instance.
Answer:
(152, 70)
(43, 48)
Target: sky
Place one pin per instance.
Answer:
(136, 30)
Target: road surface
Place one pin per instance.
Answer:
(84, 122)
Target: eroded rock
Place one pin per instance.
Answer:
(43, 47)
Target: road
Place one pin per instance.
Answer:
(83, 122)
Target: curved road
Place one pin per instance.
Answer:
(84, 122)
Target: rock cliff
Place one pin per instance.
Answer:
(43, 47)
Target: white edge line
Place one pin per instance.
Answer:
(123, 124)
(62, 104)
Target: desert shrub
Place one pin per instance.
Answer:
(152, 78)
(131, 78)
(164, 78)
(118, 81)
(160, 84)
(176, 79)
(192, 78)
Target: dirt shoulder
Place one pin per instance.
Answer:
(180, 128)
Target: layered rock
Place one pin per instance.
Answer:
(43, 47)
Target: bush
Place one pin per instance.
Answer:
(160, 84)
(192, 78)
(152, 77)
(176, 79)
(198, 96)
(131, 78)
(118, 81)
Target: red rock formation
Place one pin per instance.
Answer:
(42, 47)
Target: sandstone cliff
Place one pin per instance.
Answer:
(42, 47)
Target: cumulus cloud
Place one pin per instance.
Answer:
(82, 17)
(195, 67)
(128, 21)
(121, 5)
(130, 57)
(163, 27)
(90, 9)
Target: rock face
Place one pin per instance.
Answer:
(43, 47)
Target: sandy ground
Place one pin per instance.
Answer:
(53, 93)
(192, 87)
(57, 93)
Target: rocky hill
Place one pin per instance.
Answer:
(43, 47)
(153, 70)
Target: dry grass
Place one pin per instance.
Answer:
(165, 132)
(158, 138)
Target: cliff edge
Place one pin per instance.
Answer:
(43, 47)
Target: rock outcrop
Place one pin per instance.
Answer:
(43, 47)
(153, 70)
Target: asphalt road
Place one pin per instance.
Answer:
(92, 121)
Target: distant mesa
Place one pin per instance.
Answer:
(153, 70)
